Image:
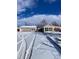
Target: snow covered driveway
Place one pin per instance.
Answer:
(23, 42)
(35, 46)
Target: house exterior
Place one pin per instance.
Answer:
(51, 28)
(27, 28)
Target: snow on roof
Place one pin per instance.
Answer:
(28, 27)
(51, 26)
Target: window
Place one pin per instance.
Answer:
(33, 29)
(46, 29)
(50, 29)
(57, 29)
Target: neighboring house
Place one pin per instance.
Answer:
(52, 28)
(27, 29)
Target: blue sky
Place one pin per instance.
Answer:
(29, 8)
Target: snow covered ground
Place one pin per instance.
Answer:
(56, 38)
(35, 45)
(23, 41)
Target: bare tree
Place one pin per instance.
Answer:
(55, 23)
(42, 23)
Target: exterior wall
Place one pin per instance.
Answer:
(50, 28)
(28, 29)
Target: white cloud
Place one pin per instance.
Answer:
(37, 18)
(21, 4)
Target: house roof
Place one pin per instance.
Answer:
(28, 27)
